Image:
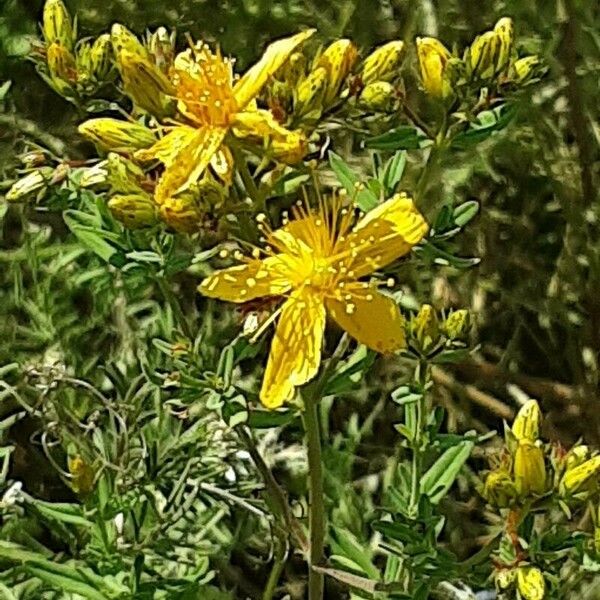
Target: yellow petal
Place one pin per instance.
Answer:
(168, 147)
(241, 283)
(296, 348)
(190, 162)
(250, 85)
(369, 317)
(222, 164)
(386, 233)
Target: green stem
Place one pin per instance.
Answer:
(249, 185)
(421, 375)
(172, 301)
(316, 508)
(277, 568)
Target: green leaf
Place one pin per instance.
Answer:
(393, 171)
(436, 482)
(465, 212)
(486, 123)
(401, 138)
(364, 197)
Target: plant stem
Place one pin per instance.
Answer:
(172, 301)
(277, 568)
(316, 508)
(249, 185)
(421, 375)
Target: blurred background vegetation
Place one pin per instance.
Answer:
(535, 295)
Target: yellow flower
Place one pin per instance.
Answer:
(526, 425)
(214, 105)
(316, 262)
(530, 583)
(383, 64)
(529, 469)
(82, 475)
(433, 59)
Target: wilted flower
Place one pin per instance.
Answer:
(317, 262)
(434, 60)
(161, 46)
(526, 425)
(530, 583)
(383, 64)
(116, 135)
(529, 469)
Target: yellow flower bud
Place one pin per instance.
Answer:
(499, 488)
(182, 212)
(582, 480)
(379, 96)
(337, 59)
(433, 59)
(117, 135)
(526, 425)
(525, 68)
(530, 583)
(83, 61)
(123, 176)
(62, 68)
(143, 81)
(294, 69)
(162, 48)
(383, 64)
(82, 475)
(95, 176)
(576, 456)
(505, 31)
(424, 328)
(31, 183)
(457, 325)
(504, 578)
(310, 93)
(134, 210)
(56, 24)
(529, 469)
(289, 149)
(482, 55)
(101, 57)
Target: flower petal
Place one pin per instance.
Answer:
(245, 282)
(386, 233)
(187, 165)
(369, 317)
(296, 348)
(251, 83)
(222, 164)
(168, 147)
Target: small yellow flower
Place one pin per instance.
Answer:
(529, 469)
(424, 328)
(310, 94)
(134, 210)
(117, 136)
(337, 60)
(530, 583)
(526, 425)
(317, 262)
(433, 59)
(378, 96)
(213, 105)
(383, 64)
(82, 475)
(57, 26)
(582, 479)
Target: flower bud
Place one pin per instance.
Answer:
(525, 68)
(83, 61)
(310, 94)
(526, 425)
(181, 212)
(93, 177)
(504, 578)
(582, 480)
(162, 48)
(209, 194)
(62, 68)
(576, 456)
(530, 583)
(482, 55)
(529, 469)
(101, 57)
(337, 59)
(505, 31)
(457, 325)
(143, 81)
(56, 25)
(383, 64)
(133, 210)
(117, 135)
(424, 328)
(31, 183)
(499, 489)
(82, 475)
(379, 96)
(294, 69)
(289, 149)
(123, 175)
(433, 59)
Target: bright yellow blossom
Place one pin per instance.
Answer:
(316, 262)
(211, 105)
(433, 59)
